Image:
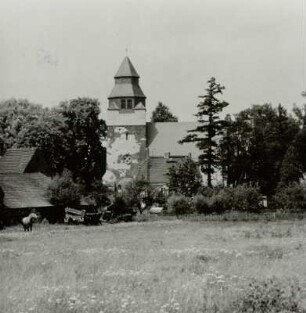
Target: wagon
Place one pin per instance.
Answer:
(92, 218)
(115, 213)
(73, 216)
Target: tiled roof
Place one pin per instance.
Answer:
(126, 90)
(16, 160)
(25, 190)
(126, 69)
(162, 138)
(158, 168)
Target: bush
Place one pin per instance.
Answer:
(185, 177)
(220, 202)
(240, 198)
(206, 191)
(63, 191)
(135, 191)
(202, 204)
(270, 296)
(98, 196)
(244, 198)
(290, 198)
(179, 204)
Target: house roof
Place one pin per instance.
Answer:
(126, 69)
(162, 139)
(16, 160)
(128, 89)
(25, 190)
(158, 168)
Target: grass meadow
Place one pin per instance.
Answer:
(160, 266)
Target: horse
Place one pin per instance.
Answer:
(27, 221)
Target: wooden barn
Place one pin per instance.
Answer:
(24, 179)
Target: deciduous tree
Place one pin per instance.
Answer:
(16, 116)
(162, 114)
(255, 145)
(83, 131)
(185, 177)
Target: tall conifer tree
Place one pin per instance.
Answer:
(210, 127)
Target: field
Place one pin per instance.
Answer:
(161, 266)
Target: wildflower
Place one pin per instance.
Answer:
(238, 255)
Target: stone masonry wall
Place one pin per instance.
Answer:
(126, 154)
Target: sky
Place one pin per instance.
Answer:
(55, 50)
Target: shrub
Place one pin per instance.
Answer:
(132, 193)
(269, 296)
(240, 198)
(185, 177)
(291, 197)
(202, 204)
(220, 202)
(206, 191)
(63, 191)
(119, 206)
(98, 196)
(179, 204)
(244, 198)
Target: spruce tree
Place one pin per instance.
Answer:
(210, 127)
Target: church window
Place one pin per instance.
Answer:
(129, 104)
(123, 104)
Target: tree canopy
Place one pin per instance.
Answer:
(83, 131)
(16, 117)
(162, 114)
(255, 144)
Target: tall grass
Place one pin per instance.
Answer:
(161, 266)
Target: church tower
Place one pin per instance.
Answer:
(126, 120)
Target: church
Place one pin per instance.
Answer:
(137, 149)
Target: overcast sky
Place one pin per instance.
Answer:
(54, 50)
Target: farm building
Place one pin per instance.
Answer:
(24, 181)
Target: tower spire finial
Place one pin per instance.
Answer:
(126, 51)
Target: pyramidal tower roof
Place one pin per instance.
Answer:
(126, 82)
(126, 69)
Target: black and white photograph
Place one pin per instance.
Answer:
(152, 156)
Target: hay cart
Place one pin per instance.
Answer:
(74, 216)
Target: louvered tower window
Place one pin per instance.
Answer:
(123, 104)
(129, 104)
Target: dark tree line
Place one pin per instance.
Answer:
(262, 145)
